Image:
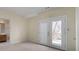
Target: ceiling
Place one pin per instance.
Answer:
(25, 11)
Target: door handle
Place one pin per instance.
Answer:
(48, 33)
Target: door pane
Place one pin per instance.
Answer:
(56, 33)
(43, 33)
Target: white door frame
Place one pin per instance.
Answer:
(49, 20)
(64, 30)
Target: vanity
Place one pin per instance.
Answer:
(3, 37)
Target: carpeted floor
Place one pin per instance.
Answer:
(24, 47)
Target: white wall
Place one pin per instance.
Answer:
(77, 28)
(70, 12)
(18, 26)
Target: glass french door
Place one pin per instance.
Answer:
(54, 32)
(43, 33)
(57, 33)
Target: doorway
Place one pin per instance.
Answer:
(4, 30)
(53, 33)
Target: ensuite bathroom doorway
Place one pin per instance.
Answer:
(4, 30)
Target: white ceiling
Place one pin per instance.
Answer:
(25, 11)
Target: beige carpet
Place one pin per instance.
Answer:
(24, 47)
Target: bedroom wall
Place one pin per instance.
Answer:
(77, 28)
(70, 12)
(18, 26)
